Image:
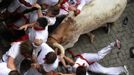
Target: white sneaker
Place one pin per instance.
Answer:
(126, 70)
(116, 44)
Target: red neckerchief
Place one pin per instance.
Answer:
(85, 59)
(38, 29)
(23, 38)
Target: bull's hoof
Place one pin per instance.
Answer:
(131, 50)
(107, 28)
(125, 21)
(91, 37)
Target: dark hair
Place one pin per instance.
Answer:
(26, 47)
(81, 70)
(54, 10)
(42, 21)
(50, 57)
(25, 65)
(14, 72)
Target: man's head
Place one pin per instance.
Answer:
(53, 11)
(14, 72)
(81, 70)
(50, 58)
(26, 49)
(41, 23)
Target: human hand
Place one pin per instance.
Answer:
(37, 6)
(25, 27)
(72, 8)
(35, 65)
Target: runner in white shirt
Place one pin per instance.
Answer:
(89, 61)
(17, 52)
(47, 60)
(4, 70)
(41, 52)
(39, 28)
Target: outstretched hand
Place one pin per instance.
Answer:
(25, 27)
(37, 6)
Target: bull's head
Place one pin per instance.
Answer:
(62, 33)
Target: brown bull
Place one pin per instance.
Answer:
(93, 16)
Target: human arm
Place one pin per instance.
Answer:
(26, 26)
(63, 62)
(10, 63)
(69, 60)
(59, 3)
(39, 10)
(11, 55)
(66, 74)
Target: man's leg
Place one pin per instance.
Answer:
(93, 57)
(96, 67)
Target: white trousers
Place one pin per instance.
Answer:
(96, 67)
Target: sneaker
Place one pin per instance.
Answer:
(117, 44)
(126, 70)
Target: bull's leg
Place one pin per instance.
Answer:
(107, 28)
(91, 36)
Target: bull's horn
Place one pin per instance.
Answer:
(60, 47)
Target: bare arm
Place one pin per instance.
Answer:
(63, 62)
(69, 60)
(11, 64)
(40, 13)
(67, 74)
(26, 26)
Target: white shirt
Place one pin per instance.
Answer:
(42, 34)
(4, 70)
(14, 52)
(79, 62)
(51, 67)
(44, 50)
